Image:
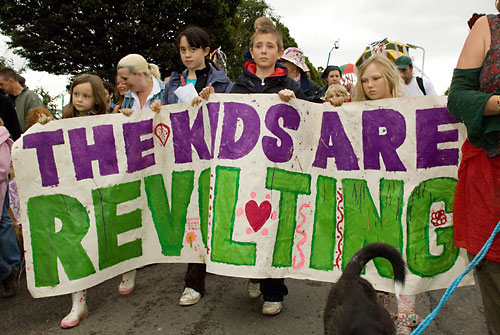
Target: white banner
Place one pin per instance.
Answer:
(245, 183)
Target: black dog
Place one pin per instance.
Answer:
(352, 307)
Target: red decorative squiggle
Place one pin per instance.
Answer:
(302, 241)
(339, 231)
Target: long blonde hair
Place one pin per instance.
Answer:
(393, 81)
(138, 64)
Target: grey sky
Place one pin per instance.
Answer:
(439, 26)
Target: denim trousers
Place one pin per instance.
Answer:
(9, 251)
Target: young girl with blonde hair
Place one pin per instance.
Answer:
(337, 94)
(378, 78)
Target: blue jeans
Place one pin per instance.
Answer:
(9, 251)
(4, 269)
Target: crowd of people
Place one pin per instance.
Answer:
(269, 68)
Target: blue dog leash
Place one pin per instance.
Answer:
(479, 257)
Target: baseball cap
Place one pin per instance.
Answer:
(403, 62)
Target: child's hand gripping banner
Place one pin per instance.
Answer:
(248, 184)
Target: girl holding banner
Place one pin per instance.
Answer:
(378, 78)
(88, 97)
(201, 77)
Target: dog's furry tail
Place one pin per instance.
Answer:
(374, 250)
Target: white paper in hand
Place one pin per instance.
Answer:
(186, 93)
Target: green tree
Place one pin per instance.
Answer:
(248, 12)
(4, 62)
(47, 99)
(71, 37)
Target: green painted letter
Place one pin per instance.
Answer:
(323, 240)
(363, 225)
(170, 223)
(109, 225)
(203, 201)
(290, 184)
(48, 245)
(420, 260)
(224, 249)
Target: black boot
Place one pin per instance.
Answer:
(10, 284)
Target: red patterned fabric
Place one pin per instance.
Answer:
(476, 210)
(489, 81)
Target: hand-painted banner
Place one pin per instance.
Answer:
(245, 183)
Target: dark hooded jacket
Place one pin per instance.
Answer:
(248, 82)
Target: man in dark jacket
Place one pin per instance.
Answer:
(9, 116)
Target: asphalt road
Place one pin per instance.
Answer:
(226, 309)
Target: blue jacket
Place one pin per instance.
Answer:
(128, 100)
(220, 82)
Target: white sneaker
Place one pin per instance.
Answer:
(253, 289)
(189, 297)
(272, 307)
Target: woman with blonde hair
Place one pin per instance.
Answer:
(145, 86)
(143, 80)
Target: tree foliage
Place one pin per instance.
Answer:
(72, 37)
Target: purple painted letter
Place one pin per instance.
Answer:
(230, 148)
(43, 143)
(184, 136)
(134, 146)
(332, 131)
(384, 130)
(291, 120)
(428, 137)
(103, 150)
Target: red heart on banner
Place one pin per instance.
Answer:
(257, 215)
(162, 131)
